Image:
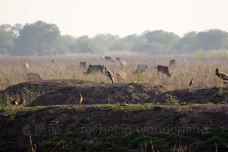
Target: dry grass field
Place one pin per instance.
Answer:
(202, 70)
(202, 111)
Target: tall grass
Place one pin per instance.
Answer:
(201, 69)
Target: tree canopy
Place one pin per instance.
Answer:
(42, 38)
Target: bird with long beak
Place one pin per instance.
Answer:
(221, 75)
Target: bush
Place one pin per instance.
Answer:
(201, 54)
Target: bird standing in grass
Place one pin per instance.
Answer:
(190, 84)
(81, 99)
(109, 74)
(221, 75)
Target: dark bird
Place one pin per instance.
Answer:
(109, 74)
(81, 99)
(221, 75)
(190, 83)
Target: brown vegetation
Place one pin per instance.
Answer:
(202, 70)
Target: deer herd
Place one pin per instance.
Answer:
(120, 75)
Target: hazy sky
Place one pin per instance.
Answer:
(123, 17)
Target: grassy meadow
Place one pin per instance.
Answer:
(202, 70)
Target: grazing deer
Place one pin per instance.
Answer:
(83, 65)
(221, 75)
(33, 77)
(141, 68)
(164, 70)
(52, 61)
(109, 58)
(95, 69)
(121, 76)
(172, 62)
(117, 58)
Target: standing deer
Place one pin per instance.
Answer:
(26, 66)
(83, 65)
(172, 62)
(164, 70)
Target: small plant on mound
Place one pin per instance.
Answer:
(147, 146)
(171, 99)
(6, 100)
(206, 132)
(220, 91)
(7, 79)
(180, 148)
(12, 111)
(138, 77)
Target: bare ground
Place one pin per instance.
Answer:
(118, 128)
(60, 92)
(196, 118)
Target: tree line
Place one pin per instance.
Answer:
(41, 38)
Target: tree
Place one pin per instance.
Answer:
(206, 40)
(67, 44)
(213, 39)
(107, 42)
(85, 45)
(187, 44)
(156, 42)
(7, 38)
(38, 39)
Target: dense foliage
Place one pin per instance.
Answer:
(41, 38)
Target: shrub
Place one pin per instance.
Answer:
(201, 54)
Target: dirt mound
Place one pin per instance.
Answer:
(116, 128)
(198, 95)
(59, 92)
(68, 92)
